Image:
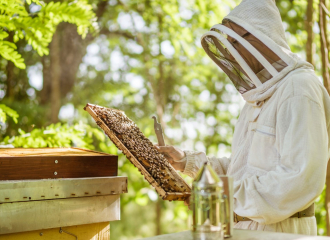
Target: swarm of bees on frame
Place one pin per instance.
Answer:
(140, 147)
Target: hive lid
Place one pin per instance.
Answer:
(206, 176)
(55, 163)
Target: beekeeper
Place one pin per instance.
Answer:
(281, 143)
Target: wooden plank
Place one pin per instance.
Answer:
(41, 167)
(46, 189)
(180, 196)
(37, 215)
(176, 196)
(25, 152)
(95, 231)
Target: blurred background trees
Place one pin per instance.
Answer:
(141, 56)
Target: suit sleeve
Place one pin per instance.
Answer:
(195, 161)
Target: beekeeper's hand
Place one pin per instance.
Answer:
(174, 155)
(187, 202)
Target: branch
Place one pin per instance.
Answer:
(101, 7)
(127, 35)
(324, 53)
(309, 29)
(325, 9)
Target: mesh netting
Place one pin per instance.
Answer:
(221, 56)
(218, 52)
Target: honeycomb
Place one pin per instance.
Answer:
(128, 138)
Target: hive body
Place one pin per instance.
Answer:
(128, 138)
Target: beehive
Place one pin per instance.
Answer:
(128, 138)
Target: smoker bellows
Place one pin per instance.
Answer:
(128, 138)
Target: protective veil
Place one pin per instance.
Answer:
(228, 56)
(281, 142)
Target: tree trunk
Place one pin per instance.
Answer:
(10, 92)
(47, 81)
(55, 94)
(326, 81)
(324, 46)
(327, 199)
(158, 216)
(60, 67)
(310, 33)
(10, 80)
(73, 49)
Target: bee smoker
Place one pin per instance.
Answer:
(227, 215)
(208, 205)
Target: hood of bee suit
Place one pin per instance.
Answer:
(260, 18)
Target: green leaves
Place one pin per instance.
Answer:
(8, 51)
(56, 135)
(6, 111)
(38, 28)
(31, 1)
(78, 12)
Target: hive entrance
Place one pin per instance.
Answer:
(128, 138)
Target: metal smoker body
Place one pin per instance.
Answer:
(207, 204)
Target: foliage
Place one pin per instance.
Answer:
(38, 27)
(320, 214)
(160, 71)
(57, 135)
(146, 60)
(5, 112)
(158, 67)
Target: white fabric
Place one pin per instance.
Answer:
(305, 226)
(279, 157)
(264, 16)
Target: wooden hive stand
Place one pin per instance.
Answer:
(58, 194)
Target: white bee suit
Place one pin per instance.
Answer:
(281, 142)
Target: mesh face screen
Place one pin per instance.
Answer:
(222, 57)
(218, 52)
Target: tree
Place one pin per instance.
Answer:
(36, 23)
(157, 48)
(60, 68)
(323, 11)
(309, 28)
(37, 27)
(160, 57)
